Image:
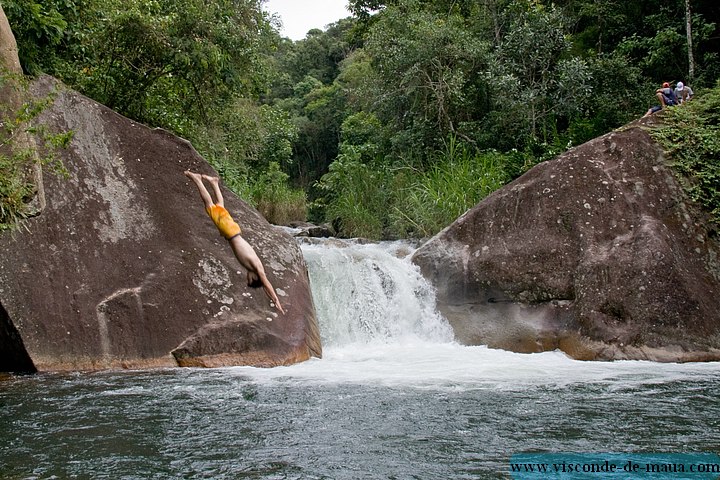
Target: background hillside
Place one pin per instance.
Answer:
(392, 122)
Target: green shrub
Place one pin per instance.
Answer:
(19, 152)
(374, 201)
(275, 200)
(15, 190)
(350, 197)
(690, 134)
(355, 196)
(457, 181)
(353, 219)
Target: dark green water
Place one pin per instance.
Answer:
(244, 423)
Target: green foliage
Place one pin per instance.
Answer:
(425, 77)
(15, 189)
(317, 111)
(277, 137)
(355, 196)
(619, 92)
(195, 55)
(166, 63)
(532, 83)
(661, 53)
(454, 183)
(22, 146)
(38, 28)
(364, 132)
(690, 133)
(374, 201)
(367, 105)
(599, 22)
(242, 142)
(272, 196)
(318, 55)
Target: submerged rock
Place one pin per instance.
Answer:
(305, 229)
(123, 267)
(598, 253)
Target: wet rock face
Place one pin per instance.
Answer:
(597, 253)
(123, 267)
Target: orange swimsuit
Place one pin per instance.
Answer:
(223, 221)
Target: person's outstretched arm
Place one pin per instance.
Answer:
(270, 292)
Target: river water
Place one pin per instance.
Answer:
(393, 398)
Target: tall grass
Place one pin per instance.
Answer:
(376, 201)
(458, 180)
(275, 199)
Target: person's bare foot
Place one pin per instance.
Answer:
(212, 180)
(190, 174)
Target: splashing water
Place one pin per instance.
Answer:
(370, 294)
(379, 325)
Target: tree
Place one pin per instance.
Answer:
(532, 80)
(425, 81)
(39, 29)
(160, 61)
(688, 28)
(163, 62)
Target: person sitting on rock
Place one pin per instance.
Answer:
(666, 96)
(229, 229)
(683, 92)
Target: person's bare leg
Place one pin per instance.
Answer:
(661, 97)
(215, 182)
(197, 178)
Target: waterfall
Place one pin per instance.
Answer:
(380, 326)
(372, 294)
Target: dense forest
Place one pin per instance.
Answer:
(390, 123)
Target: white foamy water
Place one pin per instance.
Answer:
(372, 294)
(379, 325)
(449, 365)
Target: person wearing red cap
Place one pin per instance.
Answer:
(666, 96)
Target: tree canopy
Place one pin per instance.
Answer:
(363, 120)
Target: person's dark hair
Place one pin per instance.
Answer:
(256, 283)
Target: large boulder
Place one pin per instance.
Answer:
(598, 253)
(123, 267)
